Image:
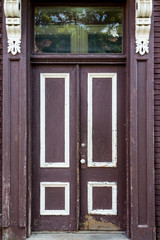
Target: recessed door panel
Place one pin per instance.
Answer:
(102, 119)
(54, 119)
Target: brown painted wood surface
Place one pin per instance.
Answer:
(15, 140)
(1, 112)
(140, 145)
(54, 115)
(56, 106)
(1, 88)
(147, 233)
(101, 131)
(157, 111)
(54, 121)
(102, 119)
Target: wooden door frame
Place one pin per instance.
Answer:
(16, 172)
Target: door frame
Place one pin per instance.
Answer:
(17, 131)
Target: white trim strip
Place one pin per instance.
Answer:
(67, 128)
(65, 185)
(114, 120)
(42, 120)
(43, 162)
(90, 121)
(113, 210)
(112, 76)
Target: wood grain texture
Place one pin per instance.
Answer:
(139, 229)
(14, 139)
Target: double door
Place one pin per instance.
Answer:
(78, 147)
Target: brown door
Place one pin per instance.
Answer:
(102, 175)
(78, 150)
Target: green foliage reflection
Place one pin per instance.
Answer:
(91, 29)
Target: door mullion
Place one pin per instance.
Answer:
(78, 140)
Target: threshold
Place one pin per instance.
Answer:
(81, 235)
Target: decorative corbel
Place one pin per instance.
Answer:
(143, 25)
(12, 10)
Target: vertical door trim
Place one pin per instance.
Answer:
(141, 137)
(14, 162)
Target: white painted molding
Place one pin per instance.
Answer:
(54, 212)
(12, 10)
(113, 210)
(43, 161)
(110, 77)
(143, 25)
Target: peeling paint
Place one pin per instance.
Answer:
(6, 235)
(91, 223)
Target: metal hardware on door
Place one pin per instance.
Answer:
(83, 161)
(83, 144)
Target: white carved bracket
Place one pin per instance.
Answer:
(12, 10)
(143, 25)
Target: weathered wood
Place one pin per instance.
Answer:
(14, 216)
(55, 128)
(102, 119)
(141, 138)
(157, 112)
(14, 139)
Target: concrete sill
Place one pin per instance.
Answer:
(96, 235)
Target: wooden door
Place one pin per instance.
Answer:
(78, 150)
(102, 164)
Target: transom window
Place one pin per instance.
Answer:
(78, 29)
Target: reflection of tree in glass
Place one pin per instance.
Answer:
(53, 44)
(100, 43)
(63, 16)
(108, 36)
